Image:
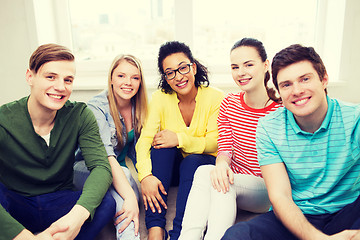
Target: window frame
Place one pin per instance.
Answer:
(90, 73)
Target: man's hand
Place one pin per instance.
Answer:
(72, 221)
(129, 212)
(346, 235)
(150, 186)
(165, 139)
(221, 176)
(47, 234)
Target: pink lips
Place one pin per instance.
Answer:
(244, 81)
(182, 84)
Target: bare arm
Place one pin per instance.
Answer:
(279, 189)
(285, 209)
(130, 210)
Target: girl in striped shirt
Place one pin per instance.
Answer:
(236, 180)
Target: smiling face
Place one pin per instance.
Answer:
(182, 84)
(52, 85)
(247, 68)
(125, 81)
(302, 92)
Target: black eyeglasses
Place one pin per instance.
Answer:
(183, 69)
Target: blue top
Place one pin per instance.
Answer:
(324, 166)
(99, 104)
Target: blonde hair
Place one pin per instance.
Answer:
(139, 100)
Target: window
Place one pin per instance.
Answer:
(98, 31)
(276, 23)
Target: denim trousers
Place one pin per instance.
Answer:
(38, 212)
(80, 175)
(268, 227)
(169, 166)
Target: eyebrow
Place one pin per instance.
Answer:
(285, 81)
(178, 65)
(53, 73)
(248, 61)
(243, 62)
(305, 75)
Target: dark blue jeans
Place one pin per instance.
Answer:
(267, 226)
(39, 212)
(169, 166)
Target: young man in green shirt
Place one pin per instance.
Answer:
(39, 135)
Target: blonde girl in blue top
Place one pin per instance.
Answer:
(120, 112)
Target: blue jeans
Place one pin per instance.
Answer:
(268, 227)
(80, 175)
(169, 166)
(39, 212)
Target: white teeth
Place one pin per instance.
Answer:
(301, 101)
(55, 96)
(181, 84)
(243, 80)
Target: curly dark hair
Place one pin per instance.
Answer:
(168, 48)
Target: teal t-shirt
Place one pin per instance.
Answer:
(324, 166)
(121, 157)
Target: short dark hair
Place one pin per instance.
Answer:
(48, 53)
(293, 54)
(258, 45)
(169, 48)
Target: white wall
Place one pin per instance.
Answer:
(350, 59)
(18, 40)
(16, 46)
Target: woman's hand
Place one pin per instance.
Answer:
(150, 186)
(128, 213)
(165, 139)
(221, 176)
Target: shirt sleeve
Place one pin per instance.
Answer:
(104, 128)
(357, 126)
(9, 227)
(96, 160)
(143, 145)
(225, 141)
(266, 150)
(207, 143)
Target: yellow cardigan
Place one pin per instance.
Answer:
(164, 113)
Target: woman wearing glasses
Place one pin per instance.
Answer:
(179, 135)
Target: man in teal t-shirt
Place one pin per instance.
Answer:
(309, 153)
(39, 135)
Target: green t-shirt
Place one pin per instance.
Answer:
(30, 167)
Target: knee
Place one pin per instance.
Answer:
(127, 173)
(108, 203)
(235, 232)
(163, 151)
(190, 164)
(202, 173)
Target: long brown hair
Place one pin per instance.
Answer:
(139, 100)
(251, 42)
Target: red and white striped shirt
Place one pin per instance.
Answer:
(237, 124)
